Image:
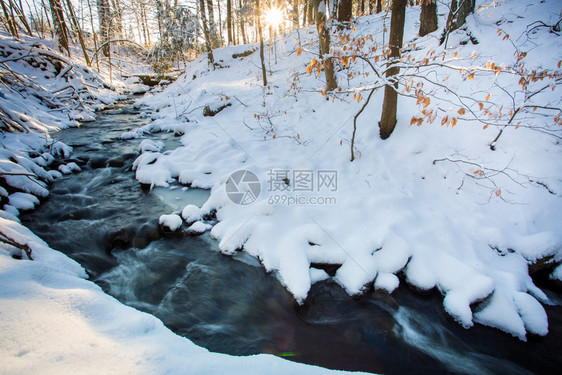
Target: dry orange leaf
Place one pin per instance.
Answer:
(461, 111)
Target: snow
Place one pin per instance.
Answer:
(317, 275)
(386, 281)
(55, 321)
(532, 313)
(557, 273)
(148, 145)
(199, 227)
(172, 222)
(23, 201)
(191, 213)
(414, 204)
(140, 89)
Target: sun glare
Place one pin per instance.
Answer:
(274, 17)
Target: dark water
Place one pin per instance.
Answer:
(103, 218)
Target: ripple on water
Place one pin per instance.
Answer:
(232, 305)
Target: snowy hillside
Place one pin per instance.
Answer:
(434, 205)
(52, 319)
(42, 93)
(464, 198)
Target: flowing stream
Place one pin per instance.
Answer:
(103, 218)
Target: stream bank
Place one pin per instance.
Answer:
(103, 218)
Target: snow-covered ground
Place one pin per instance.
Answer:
(52, 319)
(434, 203)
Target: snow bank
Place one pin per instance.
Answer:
(434, 203)
(55, 321)
(42, 92)
(172, 222)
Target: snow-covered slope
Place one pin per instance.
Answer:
(53, 320)
(42, 92)
(432, 203)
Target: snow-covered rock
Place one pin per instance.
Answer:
(171, 222)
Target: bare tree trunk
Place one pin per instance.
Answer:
(220, 23)
(212, 26)
(428, 17)
(311, 12)
(459, 12)
(206, 33)
(104, 14)
(262, 57)
(117, 16)
(12, 27)
(47, 18)
(242, 29)
(94, 34)
(21, 16)
(39, 23)
(79, 32)
(397, 19)
(145, 25)
(324, 41)
(295, 12)
(229, 21)
(344, 10)
(379, 6)
(61, 31)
